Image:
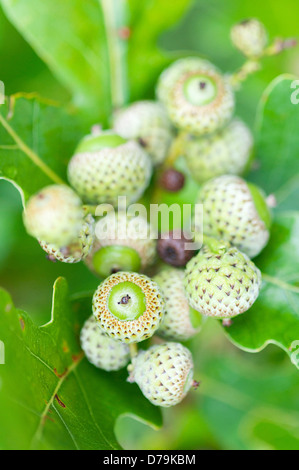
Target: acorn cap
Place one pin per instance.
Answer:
(54, 214)
(164, 373)
(102, 351)
(129, 307)
(148, 123)
(197, 97)
(250, 37)
(222, 283)
(124, 243)
(107, 166)
(75, 251)
(227, 151)
(181, 321)
(235, 211)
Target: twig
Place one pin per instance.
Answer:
(114, 18)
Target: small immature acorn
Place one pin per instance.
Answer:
(250, 37)
(123, 243)
(222, 283)
(54, 214)
(164, 373)
(197, 97)
(227, 151)
(107, 166)
(148, 123)
(102, 351)
(172, 180)
(235, 211)
(181, 322)
(77, 250)
(172, 248)
(128, 307)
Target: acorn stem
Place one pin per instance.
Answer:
(133, 350)
(279, 45)
(249, 67)
(216, 246)
(253, 65)
(175, 151)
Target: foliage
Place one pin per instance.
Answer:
(50, 397)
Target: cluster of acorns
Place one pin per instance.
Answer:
(195, 106)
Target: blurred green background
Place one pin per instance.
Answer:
(245, 401)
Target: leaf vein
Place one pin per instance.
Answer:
(37, 435)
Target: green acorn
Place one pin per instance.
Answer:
(102, 351)
(128, 307)
(107, 166)
(77, 250)
(250, 37)
(197, 97)
(222, 282)
(235, 211)
(148, 123)
(123, 243)
(180, 322)
(164, 373)
(54, 214)
(227, 151)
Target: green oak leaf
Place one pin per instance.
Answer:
(278, 142)
(239, 397)
(70, 37)
(271, 433)
(146, 60)
(37, 139)
(103, 51)
(274, 317)
(50, 396)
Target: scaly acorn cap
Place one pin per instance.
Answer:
(250, 37)
(55, 214)
(123, 243)
(129, 307)
(181, 321)
(102, 351)
(226, 152)
(107, 166)
(197, 97)
(222, 283)
(235, 211)
(148, 123)
(164, 373)
(75, 251)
